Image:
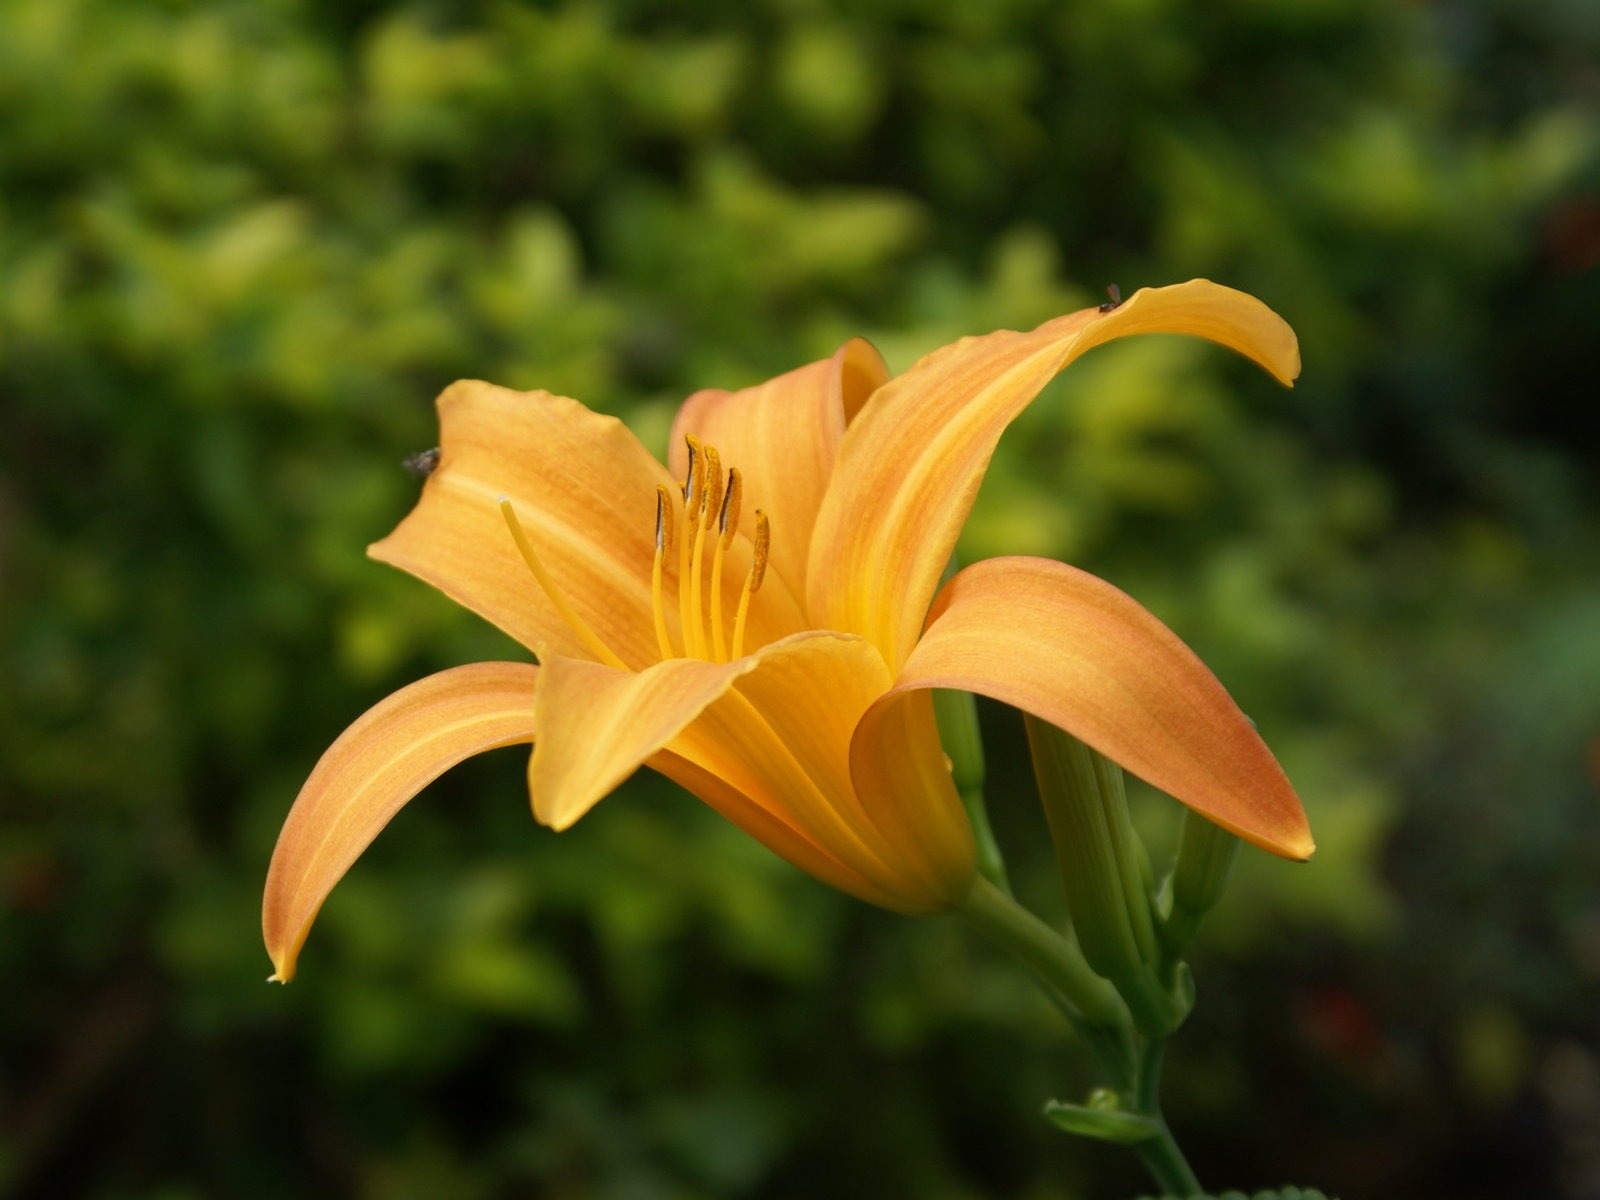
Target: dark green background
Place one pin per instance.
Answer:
(242, 245)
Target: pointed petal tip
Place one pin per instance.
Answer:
(1294, 847)
(557, 820)
(387, 756)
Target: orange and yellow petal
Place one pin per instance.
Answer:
(764, 740)
(391, 753)
(783, 436)
(767, 826)
(1077, 652)
(899, 768)
(781, 737)
(584, 491)
(597, 725)
(910, 465)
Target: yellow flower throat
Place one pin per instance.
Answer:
(708, 500)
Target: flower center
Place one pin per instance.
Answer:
(708, 500)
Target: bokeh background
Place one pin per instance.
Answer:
(244, 244)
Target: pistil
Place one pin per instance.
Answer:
(568, 614)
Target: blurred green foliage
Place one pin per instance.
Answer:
(242, 245)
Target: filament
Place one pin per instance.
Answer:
(692, 483)
(710, 501)
(727, 526)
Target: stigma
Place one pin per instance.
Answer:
(702, 531)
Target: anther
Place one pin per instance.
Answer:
(663, 519)
(758, 565)
(728, 517)
(693, 480)
(711, 501)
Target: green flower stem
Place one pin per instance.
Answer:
(1166, 1163)
(1092, 1001)
(990, 864)
(1132, 1063)
(1160, 1154)
(1155, 1012)
(957, 714)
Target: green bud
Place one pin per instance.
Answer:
(1206, 854)
(1097, 851)
(957, 714)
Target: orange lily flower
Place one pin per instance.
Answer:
(766, 632)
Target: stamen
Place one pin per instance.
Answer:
(664, 522)
(710, 502)
(568, 614)
(752, 582)
(727, 526)
(693, 482)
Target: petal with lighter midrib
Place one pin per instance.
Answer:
(391, 752)
(1075, 651)
(584, 490)
(910, 465)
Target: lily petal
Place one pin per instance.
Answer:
(598, 725)
(394, 750)
(782, 737)
(896, 762)
(764, 740)
(783, 436)
(910, 465)
(584, 490)
(768, 828)
(1074, 650)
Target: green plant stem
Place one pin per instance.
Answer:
(1160, 1154)
(1052, 957)
(1131, 1063)
(1166, 1164)
(990, 864)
